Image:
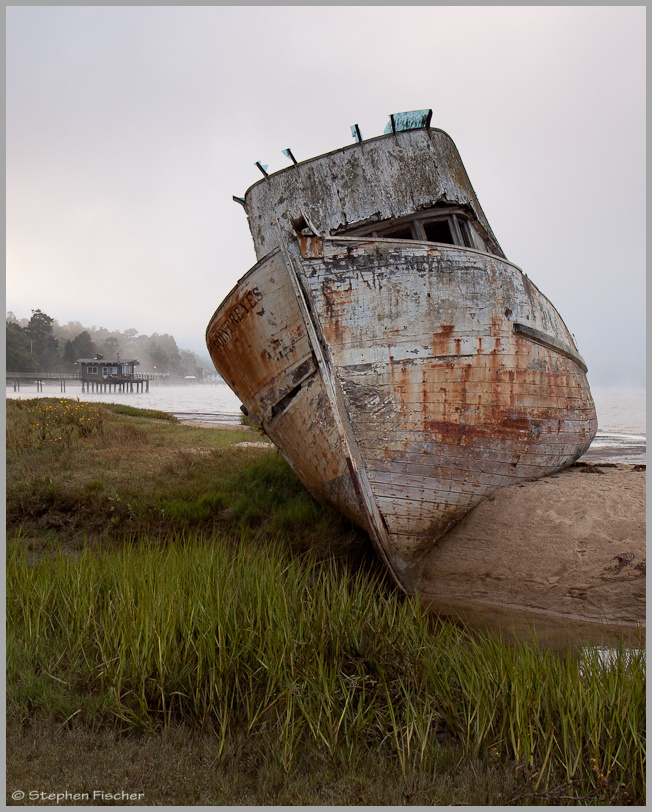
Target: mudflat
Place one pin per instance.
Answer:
(567, 546)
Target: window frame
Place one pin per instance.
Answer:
(458, 222)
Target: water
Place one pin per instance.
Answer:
(621, 434)
(208, 402)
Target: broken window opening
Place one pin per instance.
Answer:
(403, 233)
(299, 224)
(449, 228)
(439, 231)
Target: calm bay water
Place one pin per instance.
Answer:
(212, 402)
(621, 433)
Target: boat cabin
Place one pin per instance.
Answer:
(407, 184)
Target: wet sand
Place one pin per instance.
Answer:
(567, 550)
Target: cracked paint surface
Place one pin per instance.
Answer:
(403, 380)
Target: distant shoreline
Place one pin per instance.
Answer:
(212, 405)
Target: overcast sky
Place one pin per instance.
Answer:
(130, 128)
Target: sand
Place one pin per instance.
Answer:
(206, 424)
(568, 546)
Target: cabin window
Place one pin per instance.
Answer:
(403, 233)
(450, 227)
(439, 231)
(467, 239)
(91, 370)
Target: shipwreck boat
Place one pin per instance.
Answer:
(402, 365)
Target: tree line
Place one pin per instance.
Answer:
(41, 344)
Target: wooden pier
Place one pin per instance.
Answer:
(138, 383)
(39, 378)
(133, 383)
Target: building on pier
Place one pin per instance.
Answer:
(102, 374)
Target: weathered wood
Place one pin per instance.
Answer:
(378, 180)
(403, 380)
(257, 339)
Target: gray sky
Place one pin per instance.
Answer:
(130, 128)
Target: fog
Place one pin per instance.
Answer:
(130, 128)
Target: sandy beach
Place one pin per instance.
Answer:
(568, 547)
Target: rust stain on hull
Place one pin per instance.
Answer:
(403, 381)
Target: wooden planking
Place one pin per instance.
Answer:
(434, 387)
(413, 539)
(434, 453)
(420, 471)
(441, 480)
(252, 348)
(461, 461)
(431, 473)
(465, 393)
(448, 285)
(427, 433)
(322, 459)
(487, 450)
(265, 343)
(442, 423)
(429, 455)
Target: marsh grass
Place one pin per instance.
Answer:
(246, 640)
(48, 421)
(144, 475)
(224, 602)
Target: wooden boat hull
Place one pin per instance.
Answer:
(403, 381)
